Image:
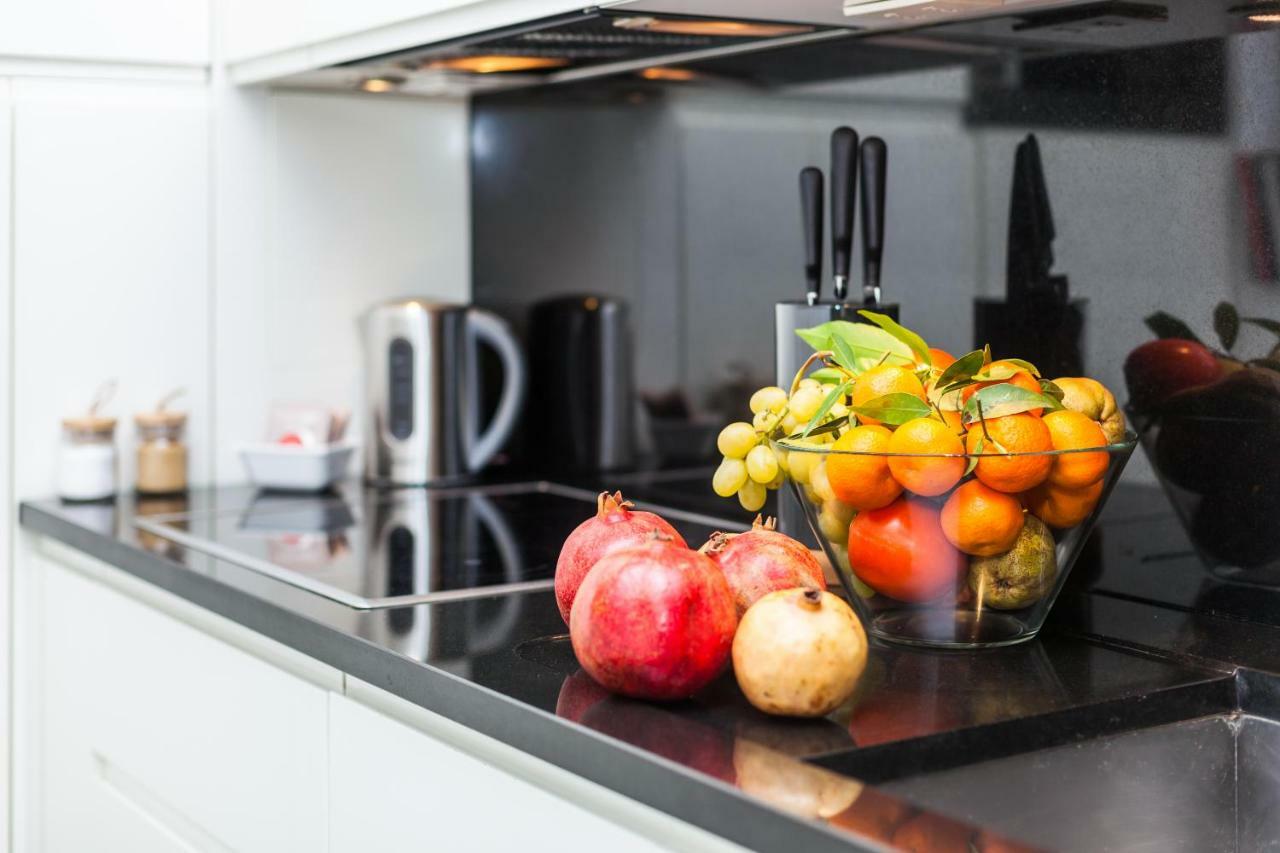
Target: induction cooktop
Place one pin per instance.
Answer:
(371, 549)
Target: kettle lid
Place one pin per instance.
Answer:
(424, 305)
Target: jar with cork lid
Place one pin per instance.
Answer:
(162, 452)
(87, 458)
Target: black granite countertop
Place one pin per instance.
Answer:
(1121, 652)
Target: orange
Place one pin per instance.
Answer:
(941, 358)
(1022, 379)
(862, 482)
(1022, 433)
(884, 379)
(981, 521)
(926, 475)
(1095, 401)
(1072, 431)
(954, 420)
(1062, 508)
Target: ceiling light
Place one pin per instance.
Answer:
(698, 27)
(379, 85)
(676, 75)
(495, 63)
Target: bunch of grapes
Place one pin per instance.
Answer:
(752, 467)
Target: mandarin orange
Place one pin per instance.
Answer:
(1014, 454)
(860, 476)
(938, 461)
(1062, 508)
(1022, 379)
(884, 379)
(1074, 431)
(981, 521)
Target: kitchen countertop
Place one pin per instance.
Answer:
(502, 665)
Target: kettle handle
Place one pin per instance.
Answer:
(483, 326)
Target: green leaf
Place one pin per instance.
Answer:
(870, 345)
(1024, 364)
(894, 409)
(1053, 390)
(1226, 322)
(997, 372)
(962, 368)
(997, 401)
(844, 354)
(1164, 325)
(829, 426)
(1272, 326)
(973, 458)
(902, 333)
(834, 396)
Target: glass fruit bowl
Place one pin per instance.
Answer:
(966, 567)
(1228, 502)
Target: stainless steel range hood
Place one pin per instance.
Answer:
(679, 40)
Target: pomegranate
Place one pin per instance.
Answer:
(762, 561)
(799, 652)
(654, 621)
(614, 525)
(1158, 369)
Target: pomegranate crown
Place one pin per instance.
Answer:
(607, 504)
(762, 523)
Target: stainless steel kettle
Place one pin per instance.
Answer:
(422, 391)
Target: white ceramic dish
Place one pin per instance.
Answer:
(294, 468)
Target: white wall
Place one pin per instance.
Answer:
(325, 205)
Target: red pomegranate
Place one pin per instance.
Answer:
(1158, 369)
(762, 561)
(654, 621)
(615, 525)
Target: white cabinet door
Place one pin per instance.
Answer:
(157, 736)
(170, 32)
(394, 788)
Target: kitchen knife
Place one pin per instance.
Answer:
(844, 188)
(874, 163)
(811, 214)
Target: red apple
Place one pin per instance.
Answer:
(1158, 369)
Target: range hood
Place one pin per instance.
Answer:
(679, 40)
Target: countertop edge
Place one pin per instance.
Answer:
(626, 770)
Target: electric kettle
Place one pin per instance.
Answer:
(422, 391)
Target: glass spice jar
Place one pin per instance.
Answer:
(87, 458)
(162, 455)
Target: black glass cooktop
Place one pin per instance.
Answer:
(371, 549)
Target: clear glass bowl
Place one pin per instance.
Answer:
(899, 567)
(1222, 475)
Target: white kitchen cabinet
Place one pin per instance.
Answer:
(111, 261)
(394, 788)
(167, 32)
(153, 735)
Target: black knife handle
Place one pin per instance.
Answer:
(811, 214)
(844, 189)
(875, 170)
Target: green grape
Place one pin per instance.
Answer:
(777, 481)
(771, 399)
(729, 477)
(805, 404)
(790, 425)
(809, 382)
(831, 527)
(765, 422)
(840, 510)
(737, 439)
(800, 464)
(821, 485)
(752, 496)
(839, 410)
(784, 461)
(762, 465)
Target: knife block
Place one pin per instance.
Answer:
(1049, 335)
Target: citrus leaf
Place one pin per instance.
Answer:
(962, 368)
(986, 354)
(997, 372)
(835, 395)
(829, 426)
(902, 333)
(1164, 325)
(1226, 322)
(1272, 326)
(1053, 389)
(844, 354)
(871, 344)
(973, 458)
(894, 409)
(1024, 364)
(997, 401)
